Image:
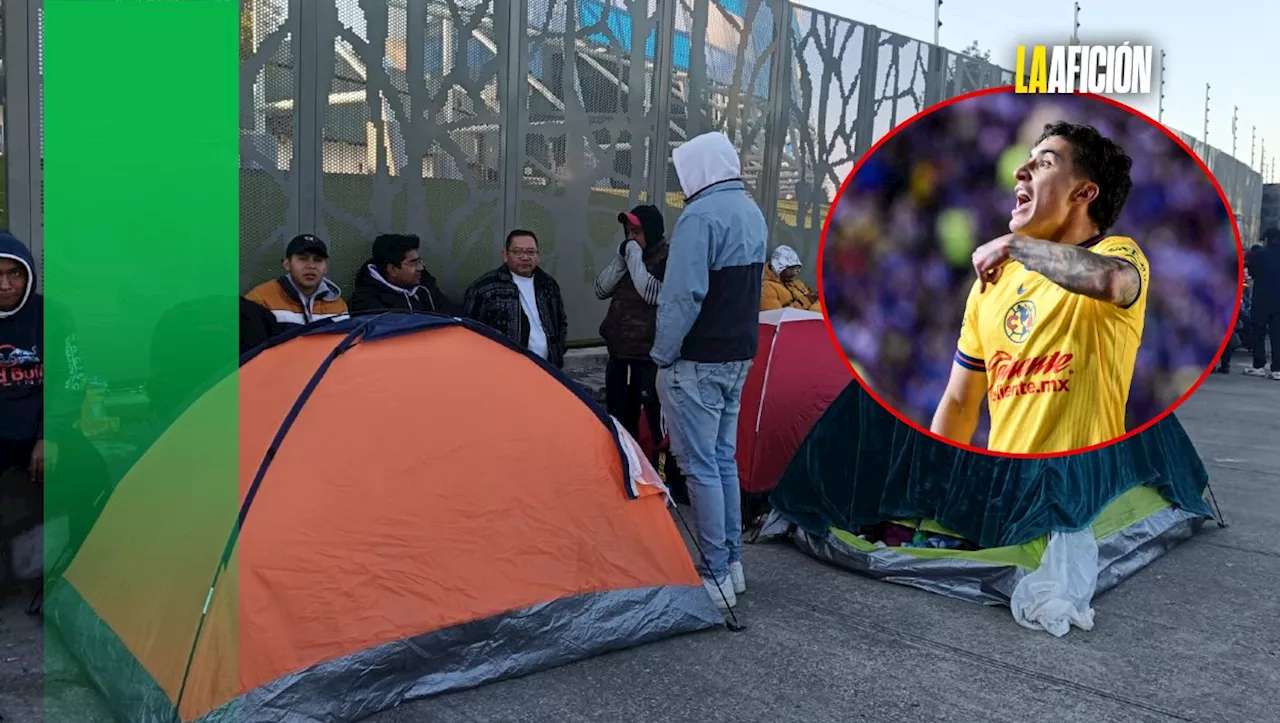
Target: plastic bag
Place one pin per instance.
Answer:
(26, 554)
(638, 470)
(27, 550)
(1058, 594)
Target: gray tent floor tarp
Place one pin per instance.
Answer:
(861, 466)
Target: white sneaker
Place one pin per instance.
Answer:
(738, 577)
(1257, 372)
(720, 592)
(1275, 376)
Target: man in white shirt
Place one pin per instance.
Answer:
(521, 301)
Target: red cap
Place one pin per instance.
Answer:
(630, 218)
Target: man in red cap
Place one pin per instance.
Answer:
(631, 282)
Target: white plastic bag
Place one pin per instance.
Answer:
(638, 470)
(1059, 593)
(27, 550)
(27, 554)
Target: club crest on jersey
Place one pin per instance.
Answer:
(1019, 321)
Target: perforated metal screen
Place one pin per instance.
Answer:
(268, 179)
(4, 177)
(412, 141)
(825, 77)
(722, 60)
(587, 132)
(1241, 184)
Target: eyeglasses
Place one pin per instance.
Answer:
(523, 253)
(413, 263)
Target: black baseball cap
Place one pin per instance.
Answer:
(307, 244)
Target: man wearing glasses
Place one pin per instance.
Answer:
(521, 301)
(396, 279)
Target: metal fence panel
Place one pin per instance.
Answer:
(825, 76)
(411, 141)
(1242, 185)
(850, 84)
(899, 77)
(1269, 203)
(722, 61)
(588, 118)
(23, 111)
(269, 184)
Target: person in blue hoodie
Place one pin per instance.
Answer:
(22, 355)
(707, 336)
(38, 434)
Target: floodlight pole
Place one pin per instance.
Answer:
(1253, 138)
(1234, 109)
(1160, 112)
(937, 21)
(1206, 118)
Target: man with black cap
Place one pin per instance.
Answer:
(302, 294)
(632, 282)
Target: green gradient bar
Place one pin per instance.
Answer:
(141, 264)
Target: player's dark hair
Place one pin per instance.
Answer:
(1102, 161)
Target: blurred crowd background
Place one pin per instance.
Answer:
(896, 265)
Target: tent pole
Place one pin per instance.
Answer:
(1216, 508)
(732, 623)
(744, 507)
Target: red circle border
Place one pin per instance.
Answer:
(1222, 349)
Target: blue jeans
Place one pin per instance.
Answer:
(700, 403)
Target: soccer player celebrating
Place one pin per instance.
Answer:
(1053, 322)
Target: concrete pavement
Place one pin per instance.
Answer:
(1194, 637)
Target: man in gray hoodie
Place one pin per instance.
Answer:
(707, 335)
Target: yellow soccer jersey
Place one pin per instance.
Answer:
(1058, 364)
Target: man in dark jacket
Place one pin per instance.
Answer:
(22, 366)
(38, 435)
(1264, 266)
(257, 325)
(521, 301)
(395, 278)
(631, 282)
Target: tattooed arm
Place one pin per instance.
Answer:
(1080, 271)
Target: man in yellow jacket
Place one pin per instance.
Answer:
(782, 288)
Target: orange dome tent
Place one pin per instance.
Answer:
(421, 508)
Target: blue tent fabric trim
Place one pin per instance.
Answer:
(860, 466)
(267, 458)
(378, 325)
